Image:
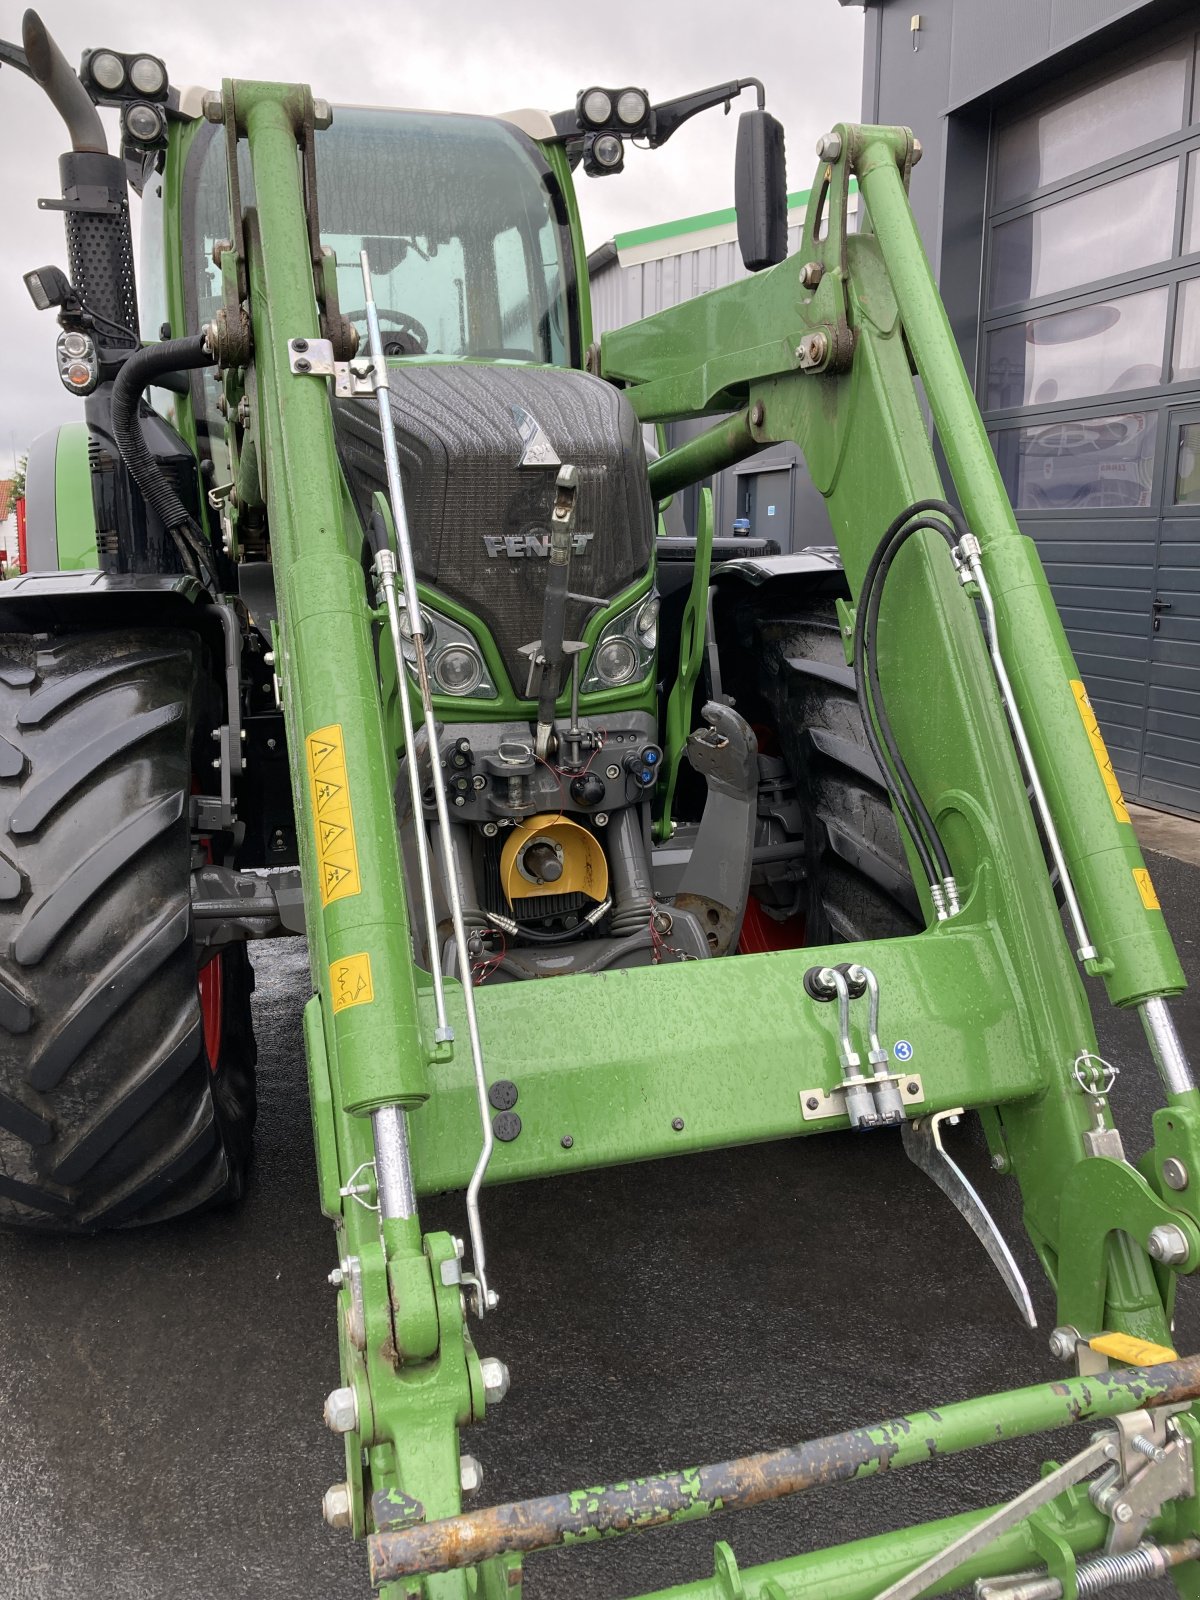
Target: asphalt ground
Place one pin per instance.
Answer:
(161, 1392)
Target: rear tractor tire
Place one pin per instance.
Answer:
(857, 880)
(126, 1079)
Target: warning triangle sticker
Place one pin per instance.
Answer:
(334, 875)
(319, 750)
(326, 791)
(331, 832)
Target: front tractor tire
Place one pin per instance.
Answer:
(857, 882)
(126, 1081)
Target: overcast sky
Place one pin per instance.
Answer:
(470, 55)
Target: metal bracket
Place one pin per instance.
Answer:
(818, 1105)
(1153, 1465)
(924, 1148)
(314, 358)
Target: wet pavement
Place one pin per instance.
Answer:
(160, 1394)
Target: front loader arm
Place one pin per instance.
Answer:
(821, 351)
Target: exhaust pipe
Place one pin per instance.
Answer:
(70, 99)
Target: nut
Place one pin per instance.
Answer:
(337, 1277)
(337, 1508)
(470, 1474)
(1168, 1243)
(341, 1411)
(213, 107)
(322, 113)
(917, 151)
(495, 1379)
(811, 274)
(1062, 1344)
(829, 146)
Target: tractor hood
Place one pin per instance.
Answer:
(480, 448)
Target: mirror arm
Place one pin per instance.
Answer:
(672, 114)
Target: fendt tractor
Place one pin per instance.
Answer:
(349, 613)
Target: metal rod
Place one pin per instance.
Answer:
(636, 1505)
(393, 1166)
(385, 569)
(1047, 1488)
(484, 1298)
(1085, 950)
(1166, 1047)
(700, 457)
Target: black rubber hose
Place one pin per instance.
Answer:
(912, 810)
(136, 375)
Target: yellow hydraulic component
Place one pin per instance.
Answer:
(550, 854)
(1134, 1352)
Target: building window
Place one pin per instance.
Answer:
(1092, 292)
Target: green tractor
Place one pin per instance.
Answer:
(349, 614)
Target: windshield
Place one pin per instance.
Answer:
(460, 216)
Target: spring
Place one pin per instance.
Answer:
(1107, 1571)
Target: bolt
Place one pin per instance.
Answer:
(566, 1141)
(677, 1124)
(271, 744)
(213, 108)
(1168, 1243)
(460, 1248)
(495, 1379)
(917, 151)
(322, 114)
(812, 1102)
(757, 414)
(341, 1411)
(269, 658)
(217, 764)
(302, 364)
(811, 274)
(912, 1087)
(829, 146)
(337, 1507)
(813, 349)
(490, 830)
(470, 1474)
(1122, 1511)
(1175, 1174)
(219, 249)
(337, 1277)
(299, 346)
(601, 818)
(612, 772)
(1062, 1344)
(999, 1162)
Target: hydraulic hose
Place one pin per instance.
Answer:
(899, 782)
(137, 374)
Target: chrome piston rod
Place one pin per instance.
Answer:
(484, 1298)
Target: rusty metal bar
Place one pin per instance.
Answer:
(608, 1512)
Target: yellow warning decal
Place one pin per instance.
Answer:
(1100, 750)
(333, 824)
(1146, 889)
(350, 981)
(1123, 1347)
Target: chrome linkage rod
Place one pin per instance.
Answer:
(483, 1298)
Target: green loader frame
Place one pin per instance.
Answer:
(985, 1010)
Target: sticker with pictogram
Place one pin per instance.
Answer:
(1100, 750)
(333, 822)
(1145, 887)
(350, 981)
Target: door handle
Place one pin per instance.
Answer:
(1160, 605)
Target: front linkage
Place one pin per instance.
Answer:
(825, 361)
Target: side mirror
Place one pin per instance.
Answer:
(760, 190)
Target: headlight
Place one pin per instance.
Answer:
(107, 70)
(148, 75)
(456, 664)
(457, 669)
(608, 150)
(596, 107)
(647, 624)
(632, 107)
(624, 652)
